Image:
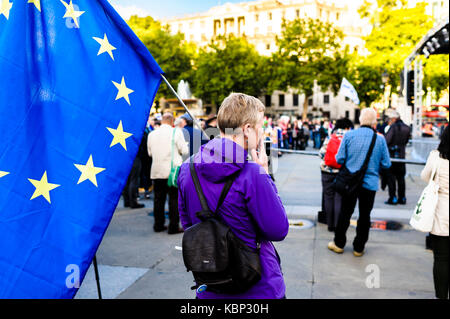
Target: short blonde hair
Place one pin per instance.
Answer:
(368, 117)
(237, 110)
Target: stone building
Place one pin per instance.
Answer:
(260, 22)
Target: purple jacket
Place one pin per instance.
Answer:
(252, 208)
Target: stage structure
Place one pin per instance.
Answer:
(435, 42)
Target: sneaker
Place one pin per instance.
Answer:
(402, 201)
(391, 201)
(332, 246)
(356, 254)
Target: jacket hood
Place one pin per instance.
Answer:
(220, 158)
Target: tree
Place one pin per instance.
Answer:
(229, 65)
(309, 51)
(396, 31)
(173, 55)
(436, 78)
(366, 78)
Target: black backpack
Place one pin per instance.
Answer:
(346, 182)
(219, 261)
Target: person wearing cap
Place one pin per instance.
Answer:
(192, 135)
(397, 138)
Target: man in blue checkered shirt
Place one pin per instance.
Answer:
(352, 153)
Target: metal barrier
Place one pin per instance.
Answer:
(312, 153)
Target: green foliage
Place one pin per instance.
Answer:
(309, 51)
(436, 78)
(366, 78)
(397, 30)
(229, 65)
(172, 54)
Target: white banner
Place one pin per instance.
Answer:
(349, 91)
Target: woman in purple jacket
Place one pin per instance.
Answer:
(252, 209)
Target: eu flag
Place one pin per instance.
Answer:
(76, 88)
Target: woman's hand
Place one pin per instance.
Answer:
(260, 156)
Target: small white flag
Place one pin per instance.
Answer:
(349, 91)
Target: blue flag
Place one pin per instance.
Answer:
(76, 88)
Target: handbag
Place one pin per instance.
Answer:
(423, 216)
(174, 170)
(347, 182)
(220, 262)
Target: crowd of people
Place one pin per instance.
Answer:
(296, 134)
(367, 149)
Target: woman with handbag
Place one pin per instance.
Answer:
(438, 161)
(252, 208)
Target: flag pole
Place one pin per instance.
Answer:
(184, 105)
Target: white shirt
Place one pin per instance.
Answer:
(159, 146)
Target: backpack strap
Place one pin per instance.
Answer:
(201, 195)
(369, 154)
(198, 187)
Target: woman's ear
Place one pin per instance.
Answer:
(246, 130)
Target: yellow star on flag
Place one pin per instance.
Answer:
(43, 187)
(5, 6)
(119, 136)
(123, 91)
(105, 46)
(71, 12)
(37, 3)
(89, 171)
(2, 174)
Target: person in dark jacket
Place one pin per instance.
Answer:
(131, 190)
(397, 138)
(252, 209)
(192, 135)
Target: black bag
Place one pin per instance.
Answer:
(347, 182)
(219, 261)
(394, 150)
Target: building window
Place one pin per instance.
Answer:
(268, 100)
(347, 114)
(268, 46)
(270, 15)
(281, 100)
(337, 16)
(310, 102)
(295, 100)
(320, 13)
(204, 39)
(256, 17)
(326, 99)
(297, 13)
(347, 99)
